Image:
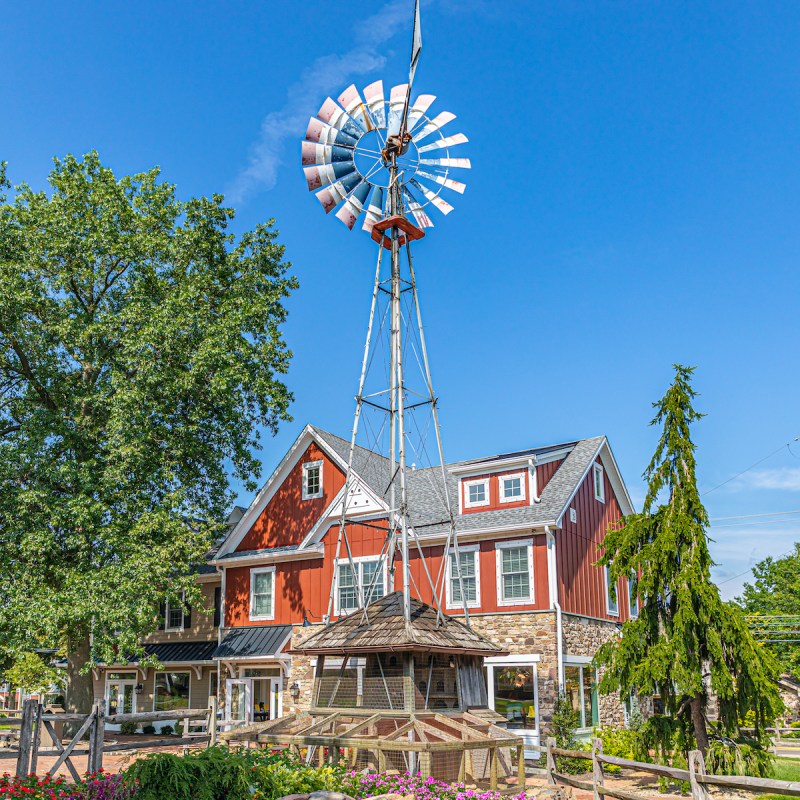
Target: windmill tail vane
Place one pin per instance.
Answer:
(387, 160)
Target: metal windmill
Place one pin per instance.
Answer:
(388, 160)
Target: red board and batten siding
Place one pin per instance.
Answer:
(287, 518)
(581, 584)
(543, 474)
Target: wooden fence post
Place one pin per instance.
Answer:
(551, 761)
(97, 734)
(597, 768)
(521, 767)
(697, 766)
(37, 738)
(26, 737)
(212, 721)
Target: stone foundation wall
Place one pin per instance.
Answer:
(583, 637)
(302, 672)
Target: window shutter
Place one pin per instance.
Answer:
(187, 618)
(217, 606)
(162, 616)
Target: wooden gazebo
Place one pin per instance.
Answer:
(395, 695)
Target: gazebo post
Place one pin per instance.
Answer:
(408, 682)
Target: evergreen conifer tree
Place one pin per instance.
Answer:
(686, 643)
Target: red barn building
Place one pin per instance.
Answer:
(530, 526)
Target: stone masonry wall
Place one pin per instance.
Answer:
(302, 672)
(583, 637)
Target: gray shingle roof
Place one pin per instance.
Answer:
(426, 494)
(253, 640)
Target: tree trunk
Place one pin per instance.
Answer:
(699, 724)
(79, 693)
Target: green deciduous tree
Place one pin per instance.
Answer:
(686, 642)
(31, 673)
(775, 593)
(140, 353)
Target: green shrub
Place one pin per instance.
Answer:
(742, 756)
(167, 730)
(128, 728)
(149, 729)
(563, 724)
(619, 742)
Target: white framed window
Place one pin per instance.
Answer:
(580, 688)
(599, 485)
(514, 693)
(347, 583)
(173, 616)
(476, 493)
(212, 683)
(612, 603)
(633, 598)
(312, 480)
(514, 572)
(262, 593)
(512, 487)
(573, 515)
(469, 560)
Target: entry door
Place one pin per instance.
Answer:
(121, 697)
(238, 702)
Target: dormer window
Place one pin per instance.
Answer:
(476, 493)
(512, 488)
(312, 480)
(599, 486)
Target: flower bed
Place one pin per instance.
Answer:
(95, 786)
(362, 785)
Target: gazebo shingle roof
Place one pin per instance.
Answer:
(386, 631)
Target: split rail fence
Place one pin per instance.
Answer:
(695, 775)
(89, 739)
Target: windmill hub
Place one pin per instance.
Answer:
(373, 163)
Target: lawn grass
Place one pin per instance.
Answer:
(784, 769)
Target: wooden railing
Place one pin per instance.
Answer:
(695, 775)
(33, 721)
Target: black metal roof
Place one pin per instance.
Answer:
(181, 651)
(255, 640)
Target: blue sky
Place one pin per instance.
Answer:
(633, 202)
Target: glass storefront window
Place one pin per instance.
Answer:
(171, 691)
(581, 691)
(514, 695)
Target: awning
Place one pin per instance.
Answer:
(254, 640)
(183, 652)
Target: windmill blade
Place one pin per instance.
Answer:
(317, 177)
(461, 163)
(353, 104)
(418, 108)
(437, 123)
(312, 153)
(376, 103)
(354, 205)
(337, 117)
(456, 186)
(421, 218)
(332, 195)
(375, 209)
(397, 101)
(320, 132)
(432, 197)
(447, 141)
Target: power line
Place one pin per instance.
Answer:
(751, 516)
(787, 445)
(758, 522)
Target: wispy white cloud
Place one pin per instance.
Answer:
(783, 479)
(328, 74)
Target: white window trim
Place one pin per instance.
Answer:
(499, 547)
(253, 572)
(357, 560)
(514, 661)
(173, 672)
(306, 467)
(476, 603)
(601, 495)
(480, 503)
(610, 611)
(177, 629)
(522, 482)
